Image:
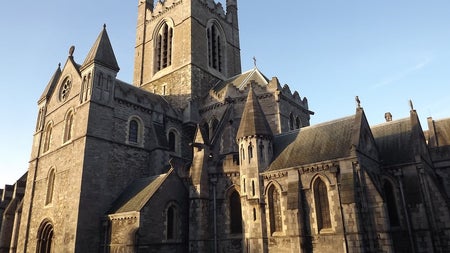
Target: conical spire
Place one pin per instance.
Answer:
(102, 52)
(253, 121)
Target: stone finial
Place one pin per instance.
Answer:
(411, 105)
(388, 117)
(71, 50)
(358, 102)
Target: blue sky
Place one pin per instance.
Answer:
(386, 52)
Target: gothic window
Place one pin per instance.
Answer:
(275, 210)
(171, 222)
(215, 48)
(164, 47)
(48, 137)
(250, 152)
(45, 238)
(172, 141)
(261, 151)
(50, 186)
(322, 205)
(68, 128)
(135, 131)
(235, 213)
(291, 121)
(391, 203)
(242, 153)
(297, 123)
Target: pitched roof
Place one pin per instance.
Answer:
(442, 130)
(241, 81)
(51, 84)
(393, 140)
(253, 121)
(102, 52)
(327, 141)
(138, 193)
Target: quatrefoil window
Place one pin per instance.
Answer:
(65, 89)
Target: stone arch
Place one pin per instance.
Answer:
(174, 140)
(45, 237)
(172, 220)
(48, 136)
(51, 176)
(68, 125)
(163, 44)
(320, 194)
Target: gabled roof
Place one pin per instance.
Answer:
(102, 52)
(394, 142)
(138, 193)
(323, 142)
(241, 81)
(253, 121)
(51, 84)
(442, 132)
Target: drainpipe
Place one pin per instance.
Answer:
(408, 224)
(214, 182)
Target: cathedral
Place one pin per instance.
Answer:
(197, 155)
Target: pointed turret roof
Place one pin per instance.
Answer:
(102, 52)
(253, 121)
(51, 84)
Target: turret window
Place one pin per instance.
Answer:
(215, 48)
(250, 152)
(163, 50)
(261, 151)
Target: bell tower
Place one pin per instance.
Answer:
(184, 47)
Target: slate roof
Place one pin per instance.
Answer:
(242, 80)
(51, 84)
(102, 52)
(138, 193)
(327, 141)
(442, 128)
(394, 141)
(253, 121)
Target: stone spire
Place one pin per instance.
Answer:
(102, 52)
(253, 121)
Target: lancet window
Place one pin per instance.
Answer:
(163, 50)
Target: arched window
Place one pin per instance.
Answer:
(261, 151)
(50, 186)
(275, 210)
(235, 213)
(250, 152)
(172, 222)
(163, 49)
(322, 205)
(133, 131)
(291, 121)
(68, 128)
(172, 141)
(48, 137)
(298, 123)
(45, 238)
(391, 203)
(242, 153)
(215, 48)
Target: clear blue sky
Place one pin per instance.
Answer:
(384, 51)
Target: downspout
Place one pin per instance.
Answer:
(408, 224)
(214, 182)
